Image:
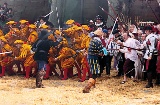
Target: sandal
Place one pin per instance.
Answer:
(123, 82)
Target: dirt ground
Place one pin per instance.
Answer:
(15, 90)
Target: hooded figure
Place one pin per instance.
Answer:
(41, 49)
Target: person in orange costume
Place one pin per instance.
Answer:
(25, 56)
(71, 31)
(33, 36)
(61, 41)
(24, 32)
(84, 46)
(52, 63)
(66, 56)
(13, 33)
(6, 59)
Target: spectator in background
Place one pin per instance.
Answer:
(91, 25)
(5, 6)
(9, 14)
(2, 15)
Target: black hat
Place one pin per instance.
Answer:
(5, 3)
(99, 17)
(148, 28)
(115, 31)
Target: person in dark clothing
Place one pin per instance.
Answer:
(103, 60)
(41, 48)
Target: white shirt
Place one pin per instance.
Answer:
(150, 48)
(132, 55)
(113, 45)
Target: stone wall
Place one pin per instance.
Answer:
(79, 10)
(28, 9)
(82, 10)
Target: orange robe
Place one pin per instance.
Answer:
(5, 58)
(24, 33)
(12, 35)
(66, 57)
(33, 36)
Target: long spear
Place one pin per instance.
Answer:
(6, 52)
(48, 14)
(115, 13)
(112, 8)
(107, 13)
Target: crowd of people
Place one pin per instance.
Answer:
(89, 49)
(6, 13)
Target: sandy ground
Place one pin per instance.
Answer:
(15, 90)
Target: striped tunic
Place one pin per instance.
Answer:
(94, 51)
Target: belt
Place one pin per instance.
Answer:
(42, 51)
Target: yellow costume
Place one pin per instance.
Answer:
(13, 33)
(66, 57)
(26, 56)
(24, 30)
(85, 45)
(6, 59)
(33, 36)
(71, 32)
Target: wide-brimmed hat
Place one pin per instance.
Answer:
(85, 27)
(57, 32)
(78, 29)
(23, 21)
(11, 23)
(32, 26)
(69, 22)
(98, 32)
(44, 26)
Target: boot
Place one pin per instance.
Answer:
(65, 74)
(70, 72)
(28, 70)
(149, 77)
(158, 79)
(47, 72)
(91, 82)
(3, 71)
(149, 85)
(39, 78)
